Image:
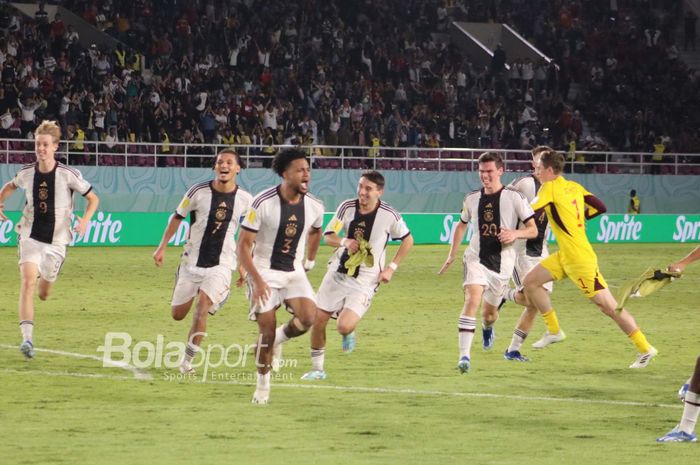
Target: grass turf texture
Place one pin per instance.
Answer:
(416, 408)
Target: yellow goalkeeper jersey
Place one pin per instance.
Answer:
(564, 203)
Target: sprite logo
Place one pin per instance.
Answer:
(100, 230)
(685, 230)
(626, 230)
(6, 234)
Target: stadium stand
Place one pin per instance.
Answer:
(340, 72)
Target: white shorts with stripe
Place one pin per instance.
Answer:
(523, 265)
(475, 273)
(283, 285)
(215, 282)
(339, 291)
(47, 257)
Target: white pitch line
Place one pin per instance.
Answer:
(138, 374)
(375, 390)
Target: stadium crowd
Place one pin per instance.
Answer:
(349, 73)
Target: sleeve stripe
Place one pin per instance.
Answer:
(517, 192)
(265, 195)
(528, 218)
(72, 171)
(196, 187)
(344, 207)
(390, 210)
(248, 228)
(88, 191)
(179, 216)
(402, 237)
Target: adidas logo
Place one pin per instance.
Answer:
(292, 218)
(43, 184)
(222, 205)
(361, 224)
(489, 205)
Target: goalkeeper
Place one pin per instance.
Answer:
(690, 392)
(358, 265)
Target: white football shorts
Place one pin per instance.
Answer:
(215, 282)
(339, 291)
(475, 273)
(48, 257)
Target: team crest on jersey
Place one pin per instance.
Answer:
(359, 233)
(220, 213)
(43, 193)
(488, 216)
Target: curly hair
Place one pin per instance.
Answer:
(283, 159)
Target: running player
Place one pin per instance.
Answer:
(45, 227)
(568, 205)
(277, 225)
(215, 208)
(494, 211)
(358, 265)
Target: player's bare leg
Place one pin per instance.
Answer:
(347, 322)
(607, 304)
(489, 316)
(28, 277)
(466, 325)
(197, 330)
(266, 340)
(318, 347)
(537, 295)
(44, 288)
(180, 311)
(303, 319)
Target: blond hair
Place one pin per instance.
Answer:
(51, 128)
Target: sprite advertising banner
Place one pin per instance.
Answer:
(134, 229)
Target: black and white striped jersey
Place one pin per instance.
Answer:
(281, 228)
(488, 213)
(47, 214)
(376, 227)
(214, 220)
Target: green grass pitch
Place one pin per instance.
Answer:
(398, 399)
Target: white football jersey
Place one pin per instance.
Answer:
(377, 227)
(281, 228)
(214, 220)
(49, 208)
(537, 247)
(489, 213)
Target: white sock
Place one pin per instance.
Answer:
(280, 336)
(317, 359)
(517, 341)
(190, 352)
(690, 412)
(27, 329)
(466, 326)
(510, 295)
(263, 381)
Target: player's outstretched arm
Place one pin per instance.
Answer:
(170, 229)
(7, 190)
(92, 202)
(687, 260)
(457, 238)
(387, 273)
